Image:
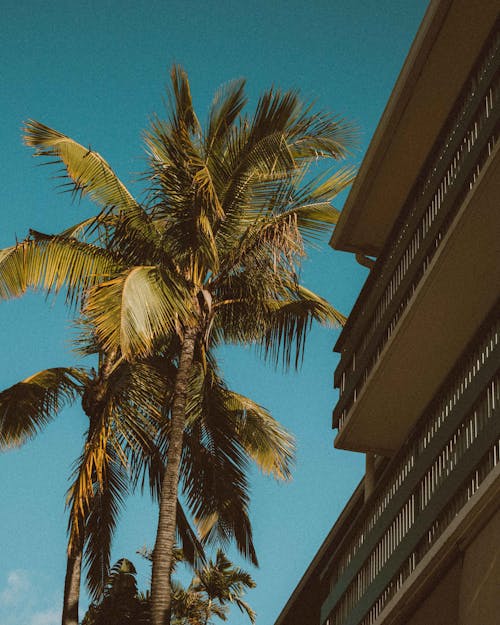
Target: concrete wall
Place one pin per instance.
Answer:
(480, 579)
(441, 606)
(469, 591)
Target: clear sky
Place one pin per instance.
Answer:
(97, 71)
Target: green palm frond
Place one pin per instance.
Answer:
(252, 167)
(182, 115)
(188, 200)
(26, 407)
(55, 261)
(224, 583)
(310, 135)
(88, 172)
(192, 548)
(138, 394)
(90, 227)
(216, 488)
(288, 321)
(276, 316)
(324, 187)
(189, 607)
(227, 105)
(321, 135)
(215, 459)
(136, 309)
(49, 262)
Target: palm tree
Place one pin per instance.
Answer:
(234, 214)
(214, 586)
(222, 583)
(213, 257)
(121, 603)
(124, 407)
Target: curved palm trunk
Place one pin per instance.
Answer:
(161, 591)
(72, 589)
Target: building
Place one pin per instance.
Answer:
(419, 374)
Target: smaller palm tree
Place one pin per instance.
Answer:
(213, 588)
(221, 584)
(121, 603)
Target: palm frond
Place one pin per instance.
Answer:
(264, 439)
(26, 407)
(192, 548)
(214, 465)
(49, 262)
(227, 105)
(107, 500)
(289, 321)
(137, 308)
(55, 261)
(88, 173)
(89, 475)
(224, 583)
(181, 104)
(185, 196)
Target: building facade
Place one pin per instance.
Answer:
(419, 371)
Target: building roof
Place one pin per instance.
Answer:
(443, 52)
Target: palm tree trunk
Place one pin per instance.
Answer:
(72, 589)
(161, 591)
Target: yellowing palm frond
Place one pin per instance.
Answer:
(50, 262)
(101, 521)
(264, 439)
(136, 309)
(89, 173)
(13, 270)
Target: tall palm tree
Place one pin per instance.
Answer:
(212, 258)
(234, 215)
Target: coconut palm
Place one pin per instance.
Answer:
(212, 258)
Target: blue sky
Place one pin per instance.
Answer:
(97, 71)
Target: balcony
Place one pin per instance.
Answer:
(434, 493)
(412, 319)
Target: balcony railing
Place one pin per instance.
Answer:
(443, 463)
(459, 155)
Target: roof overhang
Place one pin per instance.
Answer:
(442, 55)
